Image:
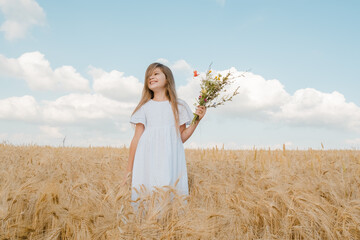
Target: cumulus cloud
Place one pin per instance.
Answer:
(72, 108)
(116, 96)
(53, 132)
(267, 100)
(190, 91)
(257, 96)
(210, 144)
(180, 67)
(233, 145)
(79, 107)
(36, 71)
(162, 60)
(59, 136)
(288, 145)
(115, 84)
(20, 16)
(19, 108)
(42, 137)
(311, 107)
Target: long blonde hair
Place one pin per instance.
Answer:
(170, 91)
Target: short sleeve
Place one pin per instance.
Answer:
(185, 113)
(139, 116)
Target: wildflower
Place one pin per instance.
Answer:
(211, 87)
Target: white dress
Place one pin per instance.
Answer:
(160, 157)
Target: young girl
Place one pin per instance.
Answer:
(157, 156)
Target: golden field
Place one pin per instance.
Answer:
(76, 193)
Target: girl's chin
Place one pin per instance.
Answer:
(153, 88)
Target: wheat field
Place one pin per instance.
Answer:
(76, 193)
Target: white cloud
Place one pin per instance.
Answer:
(36, 71)
(116, 85)
(72, 108)
(194, 145)
(181, 66)
(19, 138)
(311, 107)
(178, 67)
(162, 60)
(50, 137)
(233, 145)
(190, 91)
(256, 97)
(23, 139)
(19, 108)
(20, 16)
(82, 107)
(116, 96)
(353, 142)
(267, 100)
(288, 145)
(53, 132)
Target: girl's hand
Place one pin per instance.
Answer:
(200, 110)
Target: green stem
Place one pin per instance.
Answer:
(196, 117)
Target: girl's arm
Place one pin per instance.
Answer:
(133, 145)
(187, 132)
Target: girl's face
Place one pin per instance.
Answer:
(157, 79)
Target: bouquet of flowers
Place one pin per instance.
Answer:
(211, 87)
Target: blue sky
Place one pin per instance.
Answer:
(302, 58)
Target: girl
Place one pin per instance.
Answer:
(157, 156)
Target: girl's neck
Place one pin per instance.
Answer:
(160, 96)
